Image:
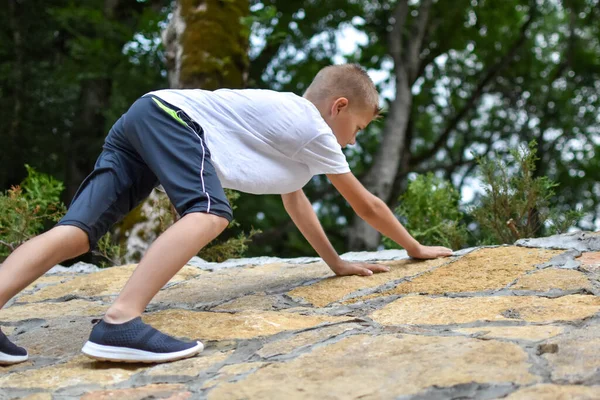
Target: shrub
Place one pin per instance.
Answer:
(27, 209)
(429, 211)
(516, 204)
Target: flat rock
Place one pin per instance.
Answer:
(107, 282)
(77, 371)
(423, 310)
(260, 301)
(190, 367)
(582, 241)
(336, 288)
(553, 278)
(60, 337)
(222, 326)
(578, 355)
(590, 261)
(229, 372)
(156, 391)
(302, 339)
(530, 332)
(231, 283)
(52, 310)
(481, 270)
(383, 367)
(556, 392)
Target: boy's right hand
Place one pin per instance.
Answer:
(426, 252)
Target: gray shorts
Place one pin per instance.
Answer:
(152, 143)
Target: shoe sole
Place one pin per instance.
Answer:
(128, 355)
(7, 359)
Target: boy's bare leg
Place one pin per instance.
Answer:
(167, 255)
(36, 256)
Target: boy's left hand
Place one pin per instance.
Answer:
(428, 252)
(362, 269)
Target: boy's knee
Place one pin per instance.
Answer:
(75, 238)
(217, 222)
(221, 222)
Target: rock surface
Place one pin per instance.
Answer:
(514, 322)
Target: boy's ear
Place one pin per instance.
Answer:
(338, 105)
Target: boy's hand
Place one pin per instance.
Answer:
(425, 252)
(363, 269)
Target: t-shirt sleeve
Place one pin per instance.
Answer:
(323, 155)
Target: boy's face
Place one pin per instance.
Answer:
(345, 121)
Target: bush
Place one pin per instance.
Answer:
(32, 207)
(515, 204)
(429, 211)
(26, 210)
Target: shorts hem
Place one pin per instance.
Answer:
(83, 227)
(220, 213)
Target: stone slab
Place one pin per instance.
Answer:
(423, 310)
(38, 396)
(553, 278)
(336, 288)
(60, 337)
(223, 326)
(590, 261)
(383, 367)
(556, 392)
(302, 339)
(156, 391)
(481, 270)
(107, 282)
(77, 371)
(190, 367)
(47, 280)
(232, 283)
(582, 241)
(530, 332)
(251, 302)
(578, 355)
(52, 310)
(229, 372)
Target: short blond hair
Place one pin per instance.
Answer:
(346, 80)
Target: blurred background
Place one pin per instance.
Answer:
(491, 110)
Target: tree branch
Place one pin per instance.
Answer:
(395, 37)
(416, 40)
(491, 73)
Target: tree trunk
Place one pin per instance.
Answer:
(206, 47)
(207, 44)
(405, 48)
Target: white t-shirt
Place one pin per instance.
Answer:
(261, 141)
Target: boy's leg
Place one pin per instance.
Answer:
(161, 263)
(173, 148)
(29, 262)
(35, 257)
(120, 180)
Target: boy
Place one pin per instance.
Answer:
(194, 143)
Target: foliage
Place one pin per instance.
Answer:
(547, 89)
(233, 247)
(111, 252)
(429, 210)
(516, 204)
(27, 209)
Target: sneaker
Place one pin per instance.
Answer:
(135, 341)
(10, 353)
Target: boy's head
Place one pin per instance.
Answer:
(347, 99)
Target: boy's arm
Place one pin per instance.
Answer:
(377, 214)
(300, 210)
